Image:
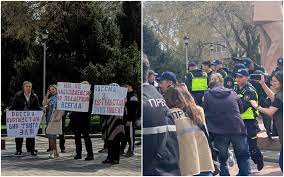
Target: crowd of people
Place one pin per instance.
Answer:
(189, 124)
(117, 131)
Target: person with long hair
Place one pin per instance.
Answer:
(195, 153)
(275, 111)
(53, 119)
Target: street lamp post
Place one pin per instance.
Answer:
(212, 50)
(186, 41)
(44, 38)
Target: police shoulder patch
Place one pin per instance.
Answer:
(247, 97)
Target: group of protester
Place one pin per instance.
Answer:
(189, 125)
(117, 130)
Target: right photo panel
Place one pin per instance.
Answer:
(212, 88)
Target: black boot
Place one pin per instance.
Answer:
(90, 157)
(78, 156)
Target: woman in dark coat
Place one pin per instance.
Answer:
(114, 134)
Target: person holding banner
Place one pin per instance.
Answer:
(130, 117)
(23, 101)
(114, 134)
(79, 122)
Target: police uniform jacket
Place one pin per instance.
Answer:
(160, 145)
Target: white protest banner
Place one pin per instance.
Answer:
(23, 124)
(109, 100)
(73, 96)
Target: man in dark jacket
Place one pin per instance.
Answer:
(23, 101)
(160, 146)
(80, 123)
(222, 111)
(130, 117)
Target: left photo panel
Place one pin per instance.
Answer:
(70, 88)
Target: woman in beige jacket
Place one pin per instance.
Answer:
(195, 153)
(54, 116)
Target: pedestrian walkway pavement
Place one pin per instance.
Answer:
(270, 151)
(269, 169)
(65, 165)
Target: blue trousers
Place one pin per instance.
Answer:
(241, 150)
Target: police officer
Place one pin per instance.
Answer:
(217, 67)
(247, 92)
(197, 82)
(279, 66)
(230, 80)
(167, 79)
(130, 117)
(160, 145)
(252, 66)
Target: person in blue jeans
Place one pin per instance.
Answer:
(241, 150)
(224, 122)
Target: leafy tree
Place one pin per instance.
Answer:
(86, 42)
(204, 23)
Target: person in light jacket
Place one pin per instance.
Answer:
(54, 119)
(195, 153)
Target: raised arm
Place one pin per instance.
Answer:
(267, 90)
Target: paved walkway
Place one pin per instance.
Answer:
(270, 152)
(269, 169)
(65, 165)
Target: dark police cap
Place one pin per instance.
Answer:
(242, 72)
(247, 61)
(216, 62)
(192, 64)
(168, 75)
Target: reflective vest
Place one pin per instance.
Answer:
(250, 113)
(199, 83)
